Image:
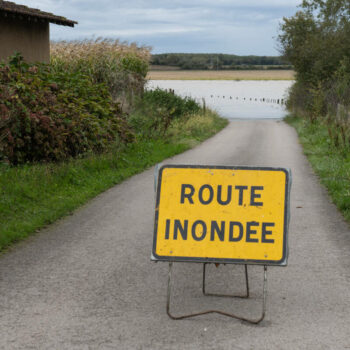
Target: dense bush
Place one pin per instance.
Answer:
(50, 115)
(157, 109)
(120, 66)
(316, 40)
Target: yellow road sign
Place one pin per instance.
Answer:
(222, 214)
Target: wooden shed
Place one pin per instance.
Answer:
(27, 30)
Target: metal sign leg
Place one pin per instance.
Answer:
(246, 295)
(253, 321)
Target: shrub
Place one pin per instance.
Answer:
(50, 115)
(174, 104)
(157, 109)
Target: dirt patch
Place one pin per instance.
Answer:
(222, 75)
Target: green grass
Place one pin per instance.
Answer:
(33, 196)
(331, 164)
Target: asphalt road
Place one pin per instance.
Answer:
(87, 281)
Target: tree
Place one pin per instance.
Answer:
(316, 40)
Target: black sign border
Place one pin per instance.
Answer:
(282, 262)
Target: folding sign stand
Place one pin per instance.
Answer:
(253, 321)
(225, 215)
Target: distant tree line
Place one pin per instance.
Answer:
(209, 61)
(316, 40)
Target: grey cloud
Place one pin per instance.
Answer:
(175, 26)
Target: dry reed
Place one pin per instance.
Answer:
(122, 66)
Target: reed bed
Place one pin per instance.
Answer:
(121, 66)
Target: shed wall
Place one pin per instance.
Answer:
(30, 38)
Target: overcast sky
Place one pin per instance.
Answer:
(239, 27)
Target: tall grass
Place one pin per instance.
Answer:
(329, 106)
(122, 67)
(330, 162)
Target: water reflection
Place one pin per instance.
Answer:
(233, 99)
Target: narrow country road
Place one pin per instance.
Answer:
(87, 281)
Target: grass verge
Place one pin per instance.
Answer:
(33, 196)
(331, 164)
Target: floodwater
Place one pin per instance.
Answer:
(245, 99)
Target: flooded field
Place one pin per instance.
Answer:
(246, 99)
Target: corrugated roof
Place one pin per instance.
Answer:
(10, 8)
